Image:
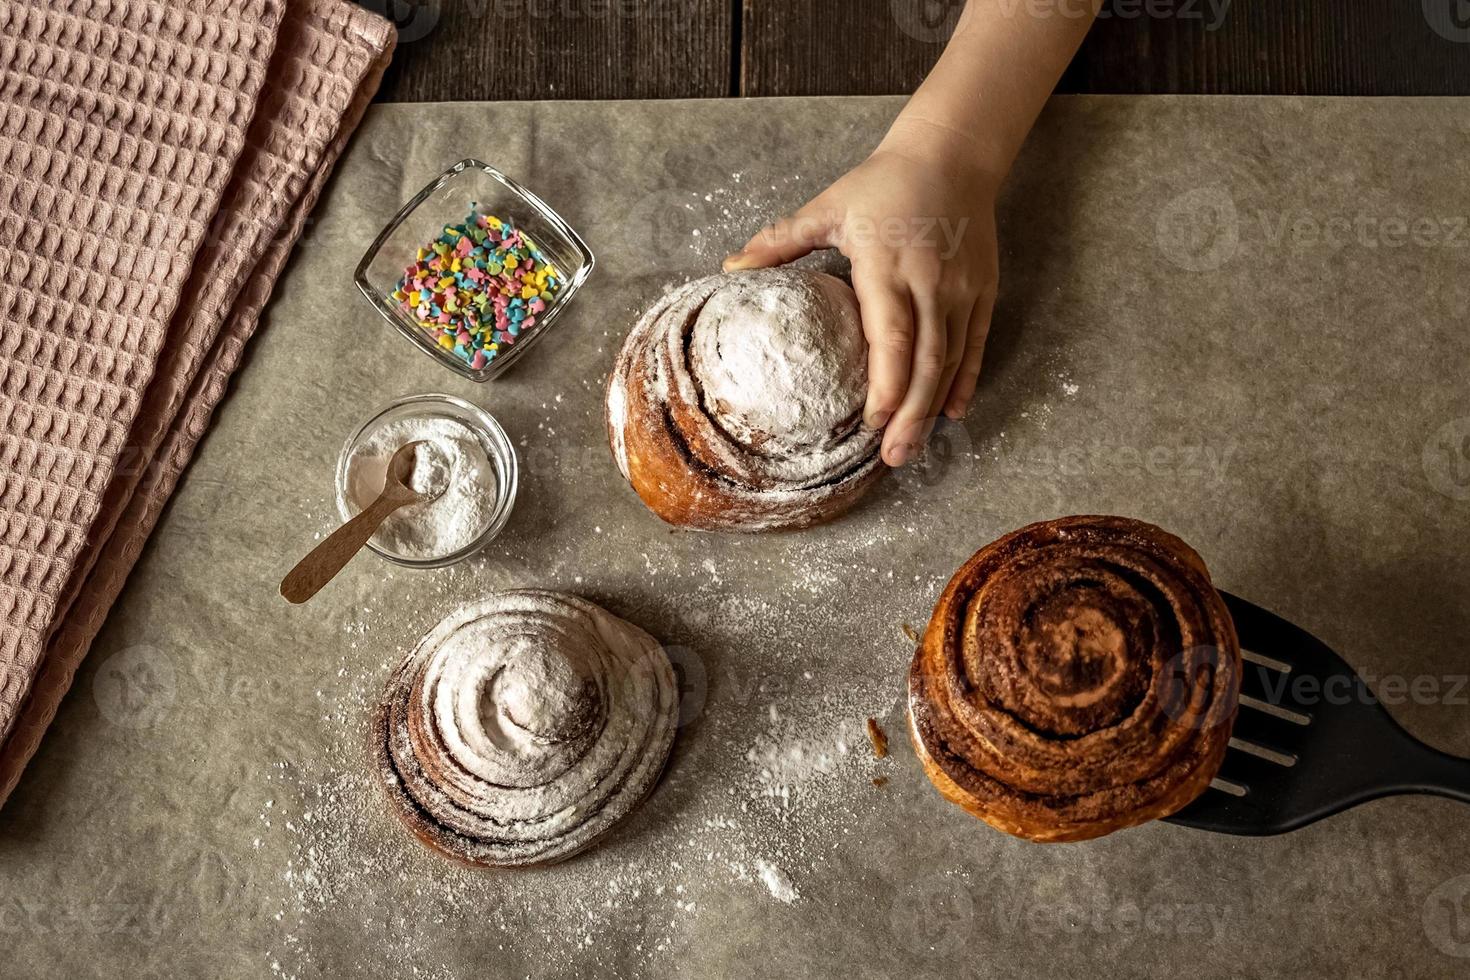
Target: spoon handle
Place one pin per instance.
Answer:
(332, 555)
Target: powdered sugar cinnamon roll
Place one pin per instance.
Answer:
(523, 727)
(1078, 676)
(736, 403)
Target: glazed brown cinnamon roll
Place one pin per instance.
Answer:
(523, 727)
(736, 403)
(1078, 676)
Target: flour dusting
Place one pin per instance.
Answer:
(776, 882)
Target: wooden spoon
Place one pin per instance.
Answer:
(333, 554)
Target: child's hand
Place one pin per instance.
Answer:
(918, 224)
(917, 219)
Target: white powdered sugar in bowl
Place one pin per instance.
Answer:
(465, 467)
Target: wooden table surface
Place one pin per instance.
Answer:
(453, 50)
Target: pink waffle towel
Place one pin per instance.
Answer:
(157, 163)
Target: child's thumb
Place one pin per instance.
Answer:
(785, 241)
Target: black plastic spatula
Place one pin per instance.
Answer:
(1311, 740)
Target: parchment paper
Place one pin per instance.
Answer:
(1210, 318)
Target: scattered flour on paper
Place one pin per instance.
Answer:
(771, 770)
(725, 218)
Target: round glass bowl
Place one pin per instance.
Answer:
(498, 449)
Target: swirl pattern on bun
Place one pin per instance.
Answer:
(1078, 676)
(736, 403)
(523, 727)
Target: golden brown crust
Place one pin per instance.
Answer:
(693, 456)
(1078, 676)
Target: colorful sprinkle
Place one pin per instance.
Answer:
(477, 287)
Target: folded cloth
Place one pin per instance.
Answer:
(157, 163)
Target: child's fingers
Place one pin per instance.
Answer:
(888, 324)
(785, 241)
(957, 329)
(932, 363)
(963, 389)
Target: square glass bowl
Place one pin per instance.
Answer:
(447, 200)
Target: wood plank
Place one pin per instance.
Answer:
(454, 50)
(1318, 47)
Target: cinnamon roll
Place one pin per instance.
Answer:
(523, 727)
(736, 403)
(1078, 676)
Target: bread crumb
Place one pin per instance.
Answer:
(878, 737)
